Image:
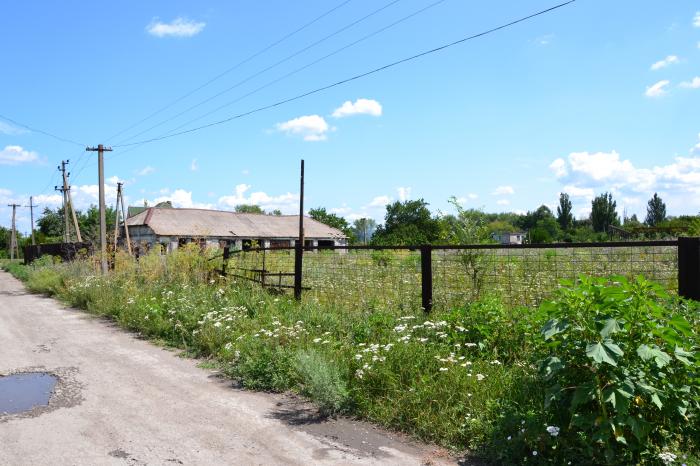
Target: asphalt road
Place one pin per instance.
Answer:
(124, 401)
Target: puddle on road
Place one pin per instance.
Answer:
(25, 391)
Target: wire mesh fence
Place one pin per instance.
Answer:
(370, 278)
(527, 276)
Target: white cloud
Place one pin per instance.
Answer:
(695, 150)
(504, 191)
(380, 201)
(194, 166)
(692, 84)
(669, 60)
(309, 127)
(15, 155)
(342, 211)
(589, 173)
(360, 107)
(179, 27)
(287, 203)
(575, 191)
(696, 19)
(404, 193)
(147, 170)
(181, 198)
(658, 89)
(545, 39)
(10, 130)
(558, 167)
(503, 202)
(465, 199)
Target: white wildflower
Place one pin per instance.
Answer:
(553, 430)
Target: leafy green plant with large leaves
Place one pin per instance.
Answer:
(622, 370)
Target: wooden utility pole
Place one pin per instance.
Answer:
(120, 199)
(299, 252)
(13, 239)
(100, 149)
(31, 216)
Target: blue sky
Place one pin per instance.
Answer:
(595, 96)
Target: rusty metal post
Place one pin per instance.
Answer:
(227, 254)
(689, 268)
(299, 249)
(426, 268)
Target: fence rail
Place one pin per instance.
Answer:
(442, 276)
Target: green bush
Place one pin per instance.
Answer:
(321, 381)
(621, 372)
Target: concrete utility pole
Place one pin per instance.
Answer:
(31, 216)
(64, 190)
(68, 203)
(13, 239)
(120, 199)
(100, 149)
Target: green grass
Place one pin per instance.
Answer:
(463, 377)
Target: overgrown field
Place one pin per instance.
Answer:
(605, 372)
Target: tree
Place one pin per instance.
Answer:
(89, 222)
(51, 222)
(564, 216)
(408, 222)
(656, 211)
(248, 209)
(603, 212)
(363, 228)
(332, 220)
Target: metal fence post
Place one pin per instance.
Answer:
(227, 254)
(689, 268)
(298, 266)
(426, 269)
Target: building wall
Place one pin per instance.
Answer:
(144, 236)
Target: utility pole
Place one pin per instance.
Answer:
(13, 239)
(100, 149)
(64, 190)
(31, 216)
(299, 253)
(120, 199)
(78, 237)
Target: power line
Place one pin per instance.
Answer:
(356, 77)
(264, 70)
(308, 65)
(234, 67)
(46, 133)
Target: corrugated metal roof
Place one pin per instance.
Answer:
(217, 223)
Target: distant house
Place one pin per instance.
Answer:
(509, 238)
(171, 228)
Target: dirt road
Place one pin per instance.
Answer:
(124, 401)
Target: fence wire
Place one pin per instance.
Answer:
(525, 277)
(385, 278)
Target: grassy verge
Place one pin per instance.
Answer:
(466, 378)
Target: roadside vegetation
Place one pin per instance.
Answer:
(605, 372)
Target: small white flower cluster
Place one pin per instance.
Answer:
(553, 431)
(667, 457)
(294, 331)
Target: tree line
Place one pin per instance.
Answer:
(412, 223)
